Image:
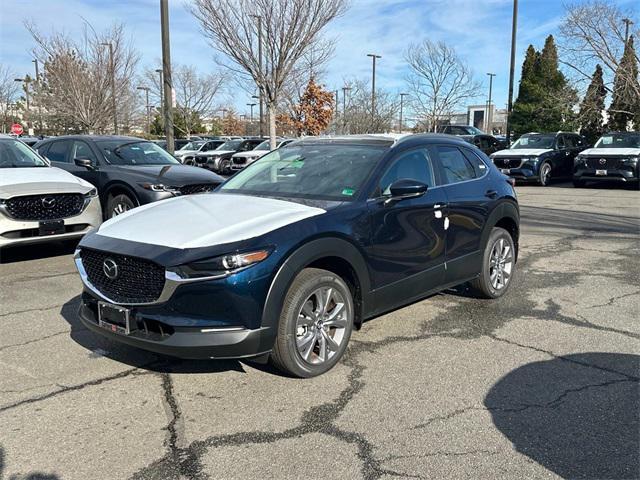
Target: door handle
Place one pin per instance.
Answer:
(491, 194)
(438, 206)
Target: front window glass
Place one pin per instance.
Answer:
(618, 140)
(136, 153)
(15, 154)
(230, 145)
(534, 141)
(332, 172)
(412, 165)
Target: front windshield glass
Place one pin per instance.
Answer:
(474, 130)
(266, 145)
(618, 140)
(15, 154)
(136, 153)
(331, 172)
(193, 145)
(230, 145)
(534, 141)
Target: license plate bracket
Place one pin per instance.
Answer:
(601, 172)
(50, 227)
(115, 318)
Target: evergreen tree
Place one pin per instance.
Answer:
(625, 106)
(591, 108)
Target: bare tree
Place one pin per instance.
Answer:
(439, 81)
(9, 91)
(593, 33)
(357, 116)
(288, 28)
(75, 87)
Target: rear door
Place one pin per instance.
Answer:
(469, 200)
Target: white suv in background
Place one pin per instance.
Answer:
(241, 160)
(39, 202)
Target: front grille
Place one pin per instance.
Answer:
(505, 162)
(45, 207)
(197, 188)
(608, 164)
(137, 280)
(239, 161)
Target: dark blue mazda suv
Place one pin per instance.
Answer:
(288, 256)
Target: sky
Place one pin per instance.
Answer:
(479, 30)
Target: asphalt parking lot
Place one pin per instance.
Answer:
(542, 383)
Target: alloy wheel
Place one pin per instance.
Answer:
(500, 264)
(545, 174)
(321, 325)
(119, 209)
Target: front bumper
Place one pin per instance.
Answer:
(525, 173)
(19, 232)
(612, 175)
(182, 342)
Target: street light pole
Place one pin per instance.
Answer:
(402, 95)
(490, 112)
(26, 82)
(260, 78)
(373, 87)
(344, 109)
(166, 76)
(514, 26)
(251, 105)
(113, 86)
(627, 22)
(159, 71)
(35, 61)
(146, 90)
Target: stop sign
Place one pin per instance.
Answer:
(17, 129)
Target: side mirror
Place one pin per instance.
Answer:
(84, 162)
(405, 188)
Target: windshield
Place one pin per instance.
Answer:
(193, 145)
(535, 141)
(333, 172)
(619, 140)
(230, 145)
(15, 154)
(136, 153)
(474, 130)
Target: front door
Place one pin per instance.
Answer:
(407, 247)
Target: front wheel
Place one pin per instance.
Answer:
(498, 265)
(544, 176)
(118, 204)
(225, 167)
(315, 324)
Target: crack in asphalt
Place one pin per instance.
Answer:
(29, 310)
(35, 340)
(612, 300)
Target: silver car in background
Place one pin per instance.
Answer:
(41, 203)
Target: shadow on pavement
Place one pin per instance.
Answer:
(27, 476)
(20, 253)
(550, 218)
(99, 346)
(575, 415)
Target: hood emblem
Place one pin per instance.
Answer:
(602, 161)
(506, 161)
(110, 268)
(49, 202)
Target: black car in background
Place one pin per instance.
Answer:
(127, 171)
(614, 157)
(220, 159)
(539, 157)
(487, 143)
(460, 130)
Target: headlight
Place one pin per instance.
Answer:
(532, 160)
(578, 160)
(159, 187)
(219, 266)
(630, 161)
(91, 193)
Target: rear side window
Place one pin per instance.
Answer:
(570, 141)
(455, 167)
(58, 151)
(478, 165)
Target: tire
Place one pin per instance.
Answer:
(118, 204)
(487, 285)
(579, 183)
(225, 167)
(544, 174)
(189, 161)
(304, 326)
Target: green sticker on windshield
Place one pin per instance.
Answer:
(348, 191)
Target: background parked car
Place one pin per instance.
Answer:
(487, 143)
(614, 157)
(241, 160)
(41, 203)
(220, 159)
(460, 130)
(187, 153)
(199, 158)
(539, 157)
(127, 171)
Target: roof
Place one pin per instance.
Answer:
(381, 139)
(99, 137)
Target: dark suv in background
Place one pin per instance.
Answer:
(539, 157)
(127, 171)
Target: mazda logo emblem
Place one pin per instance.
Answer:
(602, 161)
(110, 268)
(48, 202)
(506, 162)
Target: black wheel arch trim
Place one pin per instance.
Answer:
(505, 209)
(305, 255)
(117, 185)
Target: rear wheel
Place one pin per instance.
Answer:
(315, 324)
(118, 204)
(544, 175)
(498, 265)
